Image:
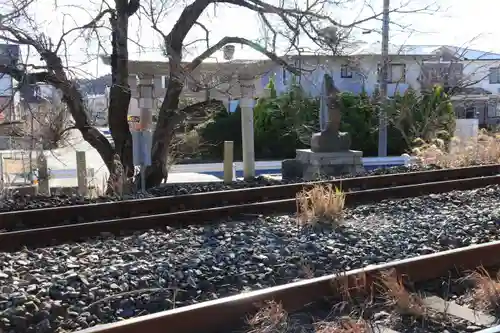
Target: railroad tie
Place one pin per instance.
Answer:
(451, 308)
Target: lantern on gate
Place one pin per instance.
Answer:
(228, 51)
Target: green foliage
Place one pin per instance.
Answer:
(425, 116)
(358, 118)
(224, 126)
(285, 123)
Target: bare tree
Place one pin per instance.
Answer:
(18, 27)
(287, 21)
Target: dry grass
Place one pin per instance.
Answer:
(404, 302)
(320, 204)
(271, 318)
(347, 325)
(485, 149)
(486, 292)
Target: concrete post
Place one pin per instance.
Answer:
(247, 135)
(81, 173)
(146, 98)
(2, 179)
(228, 161)
(43, 175)
(132, 82)
(145, 89)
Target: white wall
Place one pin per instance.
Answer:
(466, 129)
(98, 108)
(315, 69)
(477, 72)
(98, 105)
(5, 85)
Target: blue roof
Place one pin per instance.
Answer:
(423, 50)
(471, 54)
(376, 48)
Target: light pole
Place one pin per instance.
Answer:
(382, 133)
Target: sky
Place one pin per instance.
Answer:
(459, 23)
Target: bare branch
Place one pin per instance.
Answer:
(238, 40)
(91, 24)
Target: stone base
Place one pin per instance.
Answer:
(318, 165)
(328, 141)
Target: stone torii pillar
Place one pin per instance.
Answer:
(247, 88)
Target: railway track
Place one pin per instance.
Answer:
(35, 218)
(400, 289)
(50, 226)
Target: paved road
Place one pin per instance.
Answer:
(62, 163)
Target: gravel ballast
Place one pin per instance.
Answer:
(74, 286)
(22, 202)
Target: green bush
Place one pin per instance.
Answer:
(286, 122)
(224, 126)
(425, 116)
(359, 119)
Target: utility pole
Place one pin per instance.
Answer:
(382, 132)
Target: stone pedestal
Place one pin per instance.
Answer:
(317, 165)
(329, 154)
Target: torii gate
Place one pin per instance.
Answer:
(243, 83)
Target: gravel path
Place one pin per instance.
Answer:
(18, 202)
(69, 286)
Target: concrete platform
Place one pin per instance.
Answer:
(191, 177)
(188, 177)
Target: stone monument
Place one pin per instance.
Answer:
(329, 154)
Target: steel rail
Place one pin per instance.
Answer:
(37, 218)
(14, 240)
(495, 329)
(225, 313)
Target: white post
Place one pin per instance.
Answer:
(132, 82)
(145, 89)
(228, 161)
(247, 135)
(2, 179)
(81, 173)
(43, 175)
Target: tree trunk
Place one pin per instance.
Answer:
(120, 91)
(159, 170)
(168, 119)
(90, 134)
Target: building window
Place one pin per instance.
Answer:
(284, 76)
(493, 109)
(345, 72)
(396, 73)
(494, 75)
(298, 66)
(470, 112)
